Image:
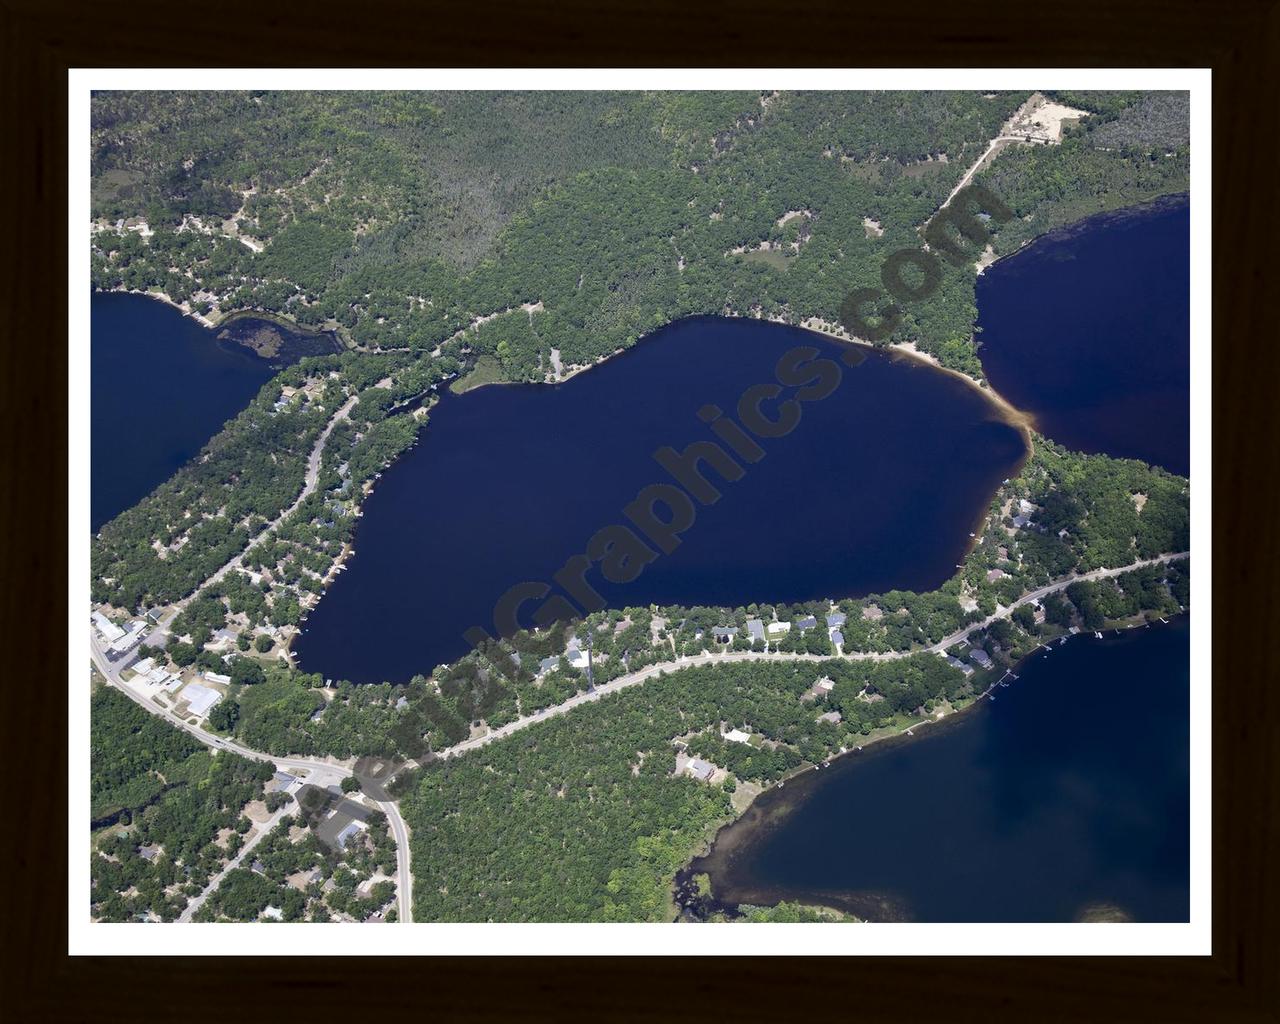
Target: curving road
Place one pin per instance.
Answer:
(649, 671)
(309, 481)
(323, 772)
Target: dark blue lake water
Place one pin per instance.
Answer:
(1088, 329)
(1066, 797)
(162, 386)
(877, 488)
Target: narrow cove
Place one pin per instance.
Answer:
(166, 384)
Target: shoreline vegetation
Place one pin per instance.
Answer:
(899, 733)
(224, 320)
(518, 763)
(484, 374)
(683, 219)
(1023, 421)
(399, 282)
(466, 685)
(346, 710)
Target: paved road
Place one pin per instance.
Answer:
(319, 772)
(327, 772)
(1051, 588)
(322, 772)
(309, 481)
(198, 901)
(641, 675)
(404, 872)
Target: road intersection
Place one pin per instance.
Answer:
(330, 772)
(324, 773)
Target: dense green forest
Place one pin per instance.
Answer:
(304, 880)
(248, 474)
(168, 814)
(405, 218)
(1134, 148)
(582, 818)
(1087, 515)
(458, 233)
(153, 787)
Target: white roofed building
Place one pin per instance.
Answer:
(200, 699)
(128, 641)
(107, 629)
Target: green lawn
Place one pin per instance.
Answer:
(487, 371)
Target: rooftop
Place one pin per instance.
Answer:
(200, 698)
(699, 769)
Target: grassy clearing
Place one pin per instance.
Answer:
(770, 257)
(488, 371)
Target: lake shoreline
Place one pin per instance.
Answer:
(861, 908)
(940, 531)
(227, 319)
(1107, 374)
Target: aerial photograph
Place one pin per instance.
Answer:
(687, 507)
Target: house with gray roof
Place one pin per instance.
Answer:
(755, 629)
(548, 665)
(699, 769)
(347, 834)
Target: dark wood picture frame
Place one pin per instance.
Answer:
(1239, 40)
